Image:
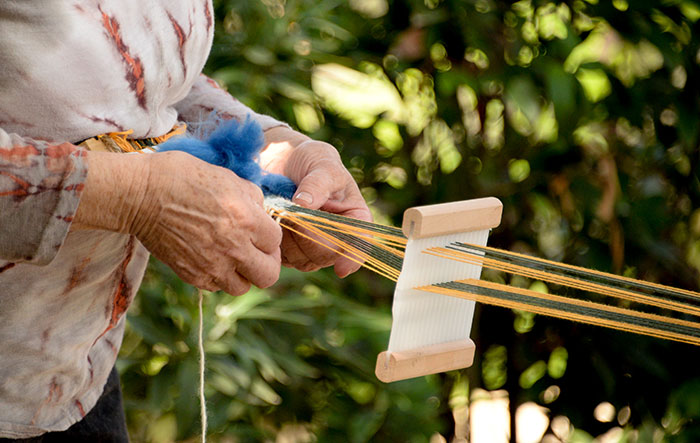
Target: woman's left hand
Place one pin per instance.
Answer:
(322, 183)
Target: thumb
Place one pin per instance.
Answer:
(314, 190)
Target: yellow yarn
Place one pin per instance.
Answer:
(120, 142)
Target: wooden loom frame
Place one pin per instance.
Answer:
(432, 221)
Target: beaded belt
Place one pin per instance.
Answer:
(119, 141)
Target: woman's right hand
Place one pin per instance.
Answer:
(203, 221)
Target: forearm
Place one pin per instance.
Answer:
(114, 192)
(207, 101)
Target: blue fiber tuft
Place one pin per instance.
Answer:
(275, 184)
(199, 148)
(235, 146)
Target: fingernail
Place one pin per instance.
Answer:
(304, 197)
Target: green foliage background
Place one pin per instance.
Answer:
(581, 116)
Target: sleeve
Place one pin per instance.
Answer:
(207, 99)
(40, 188)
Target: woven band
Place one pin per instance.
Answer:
(120, 141)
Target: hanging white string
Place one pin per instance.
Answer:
(200, 344)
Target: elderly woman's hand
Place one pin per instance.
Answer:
(203, 221)
(323, 183)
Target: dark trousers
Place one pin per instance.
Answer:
(105, 423)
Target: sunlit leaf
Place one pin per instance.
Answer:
(556, 366)
(533, 374)
(595, 83)
(355, 95)
(370, 8)
(494, 367)
(163, 430)
(387, 132)
(518, 170)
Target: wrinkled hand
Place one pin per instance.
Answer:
(322, 183)
(203, 221)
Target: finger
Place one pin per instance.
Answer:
(315, 188)
(208, 285)
(233, 284)
(358, 210)
(295, 255)
(299, 261)
(291, 252)
(253, 191)
(266, 233)
(308, 267)
(344, 267)
(303, 267)
(285, 261)
(353, 205)
(300, 251)
(259, 268)
(190, 274)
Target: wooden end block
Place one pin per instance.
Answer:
(451, 218)
(424, 361)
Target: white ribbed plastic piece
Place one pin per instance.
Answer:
(421, 318)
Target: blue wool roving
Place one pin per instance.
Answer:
(235, 146)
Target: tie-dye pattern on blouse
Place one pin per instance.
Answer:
(70, 70)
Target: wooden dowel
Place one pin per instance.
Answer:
(450, 218)
(433, 359)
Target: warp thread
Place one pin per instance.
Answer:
(202, 365)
